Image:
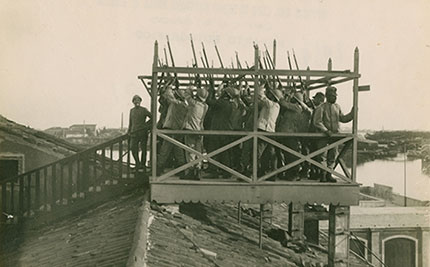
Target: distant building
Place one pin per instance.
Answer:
(57, 132)
(384, 231)
(85, 130)
(85, 134)
(23, 148)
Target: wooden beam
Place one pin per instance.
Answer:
(266, 72)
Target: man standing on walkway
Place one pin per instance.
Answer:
(326, 120)
(138, 131)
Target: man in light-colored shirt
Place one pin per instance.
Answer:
(326, 119)
(267, 117)
(175, 120)
(196, 113)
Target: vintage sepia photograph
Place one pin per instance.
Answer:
(214, 133)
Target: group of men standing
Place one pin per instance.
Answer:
(230, 108)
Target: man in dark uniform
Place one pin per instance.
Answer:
(138, 131)
(223, 109)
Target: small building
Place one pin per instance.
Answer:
(84, 129)
(23, 148)
(56, 131)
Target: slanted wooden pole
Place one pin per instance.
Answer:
(355, 119)
(274, 62)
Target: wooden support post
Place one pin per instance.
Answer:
(103, 163)
(37, 192)
(12, 197)
(128, 157)
(255, 138)
(260, 236)
(29, 194)
(53, 185)
(45, 187)
(239, 213)
(296, 220)
(111, 172)
(85, 173)
(154, 91)
(78, 176)
(94, 174)
(120, 148)
(70, 178)
(355, 119)
(61, 183)
(3, 203)
(338, 236)
(21, 195)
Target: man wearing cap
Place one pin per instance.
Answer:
(268, 100)
(313, 103)
(326, 120)
(222, 109)
(291, 121)
(175, 119)
(316, 100)
(138, 131)
(196, 113)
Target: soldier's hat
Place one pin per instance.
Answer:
(202, 93)
(277, 94)
(331, 90)
(136, 97)
(319, 94)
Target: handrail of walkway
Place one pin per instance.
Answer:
(56, 183)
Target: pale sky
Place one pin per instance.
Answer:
(64, 62)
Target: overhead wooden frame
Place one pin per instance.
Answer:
(166, 188)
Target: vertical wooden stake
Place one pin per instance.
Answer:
(154, 112)
(255, 138)
(355, 119)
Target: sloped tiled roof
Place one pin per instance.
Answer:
(209, 235)
(39, 140)
(100, 237)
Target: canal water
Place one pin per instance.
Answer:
(390, 172)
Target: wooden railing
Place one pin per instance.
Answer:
(270, 138)
(55, 184)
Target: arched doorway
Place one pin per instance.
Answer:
(400, 251)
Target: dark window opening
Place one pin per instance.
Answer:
(8, 168)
